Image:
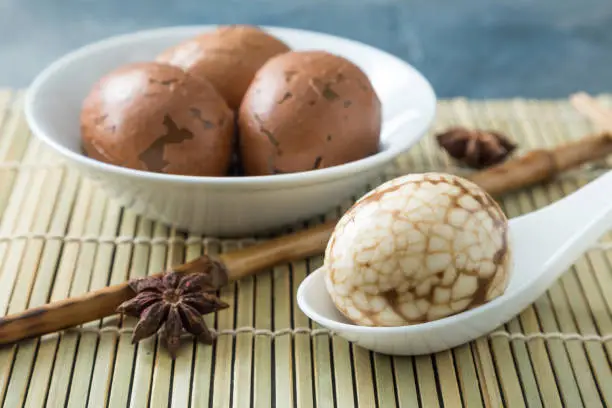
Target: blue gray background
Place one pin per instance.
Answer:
(472, 48)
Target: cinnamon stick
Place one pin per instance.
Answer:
(541, 165)
(298, 245)
(532, 168)
(100, 303)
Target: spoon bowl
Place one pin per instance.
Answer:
(544, 244)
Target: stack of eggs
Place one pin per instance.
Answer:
(233, 101)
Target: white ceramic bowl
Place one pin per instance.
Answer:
(223, 206)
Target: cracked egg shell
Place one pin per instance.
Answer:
(416, 249)
(228, 57)
(155, 117)
(307, 110)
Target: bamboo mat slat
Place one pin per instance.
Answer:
(61, 236)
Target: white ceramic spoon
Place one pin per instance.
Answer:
(545, 243)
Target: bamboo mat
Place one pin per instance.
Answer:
(60, 236)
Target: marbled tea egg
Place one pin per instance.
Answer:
(416, 249)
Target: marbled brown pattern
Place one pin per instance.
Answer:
(416, 249)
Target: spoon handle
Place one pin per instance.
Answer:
(567, 228)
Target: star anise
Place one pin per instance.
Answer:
(175, 302)
(476, 148)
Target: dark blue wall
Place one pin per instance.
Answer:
(473, 48)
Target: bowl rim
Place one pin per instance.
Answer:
(312, 176)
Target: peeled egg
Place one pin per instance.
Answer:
(416, 249)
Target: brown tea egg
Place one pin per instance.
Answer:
(155, 117)
(228, 57)
(307, 110)
(416, 249)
